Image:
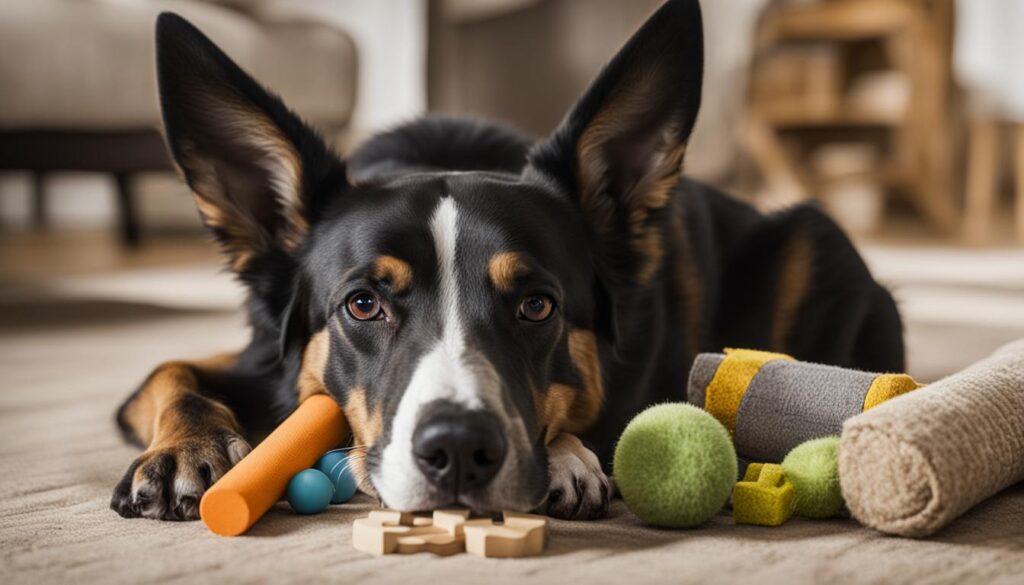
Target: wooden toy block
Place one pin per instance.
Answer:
(519, 535)
(388, 531)
(765, 497)
(448, 532)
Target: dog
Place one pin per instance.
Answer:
(489, 311)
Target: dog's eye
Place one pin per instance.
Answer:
(536, 308)
(364, 306)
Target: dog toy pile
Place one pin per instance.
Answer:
(805, 484)
(772, 403)
(335, 465)
(675, 466)
(911, 466)
(909, 460)
(240, 498)
(448, 532)
(330, 481)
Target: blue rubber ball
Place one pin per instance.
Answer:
(334, 464)
(310, 491)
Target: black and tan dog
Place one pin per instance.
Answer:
(475, 301)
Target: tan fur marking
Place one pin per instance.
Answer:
(649, 246)
(504, 268)
(176, 427)
(285, 168)
(688, 290)
(243, 240)
(583, 349)
(357, 464)
(152, 414)
(628, 102)
(656, 192)
(609, 123)
(794, 282)
(366, 425)
(555, 407)
(573, 410)
(167, 382)
(314, 363)
(398, 272)
(366, 429)
(282, 165)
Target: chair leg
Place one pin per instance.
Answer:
(1019, 174)
(127, 216)
(39, 207)
(982, 167)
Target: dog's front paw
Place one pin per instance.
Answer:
(167, 482)
(579, 489)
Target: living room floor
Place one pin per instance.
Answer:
(82, 322)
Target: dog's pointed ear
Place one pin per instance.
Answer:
(619, 151)
(258, 173)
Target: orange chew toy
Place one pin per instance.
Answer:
(245, 493)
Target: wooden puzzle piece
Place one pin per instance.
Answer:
(448, 532)
(388, 531)
(519, 535)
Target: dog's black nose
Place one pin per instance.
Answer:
(459, 450)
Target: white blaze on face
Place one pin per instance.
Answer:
(448, 371)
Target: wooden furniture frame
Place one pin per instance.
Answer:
(983, 166)
(121, 154)
(917, 38)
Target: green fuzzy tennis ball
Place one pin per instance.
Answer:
(675, 465)
(813, 467)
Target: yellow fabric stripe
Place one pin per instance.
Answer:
(724, 393)
(887, 386)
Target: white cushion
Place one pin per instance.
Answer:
(89, 64)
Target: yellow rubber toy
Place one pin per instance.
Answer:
(765, 497)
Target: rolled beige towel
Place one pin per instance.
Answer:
(915, 463)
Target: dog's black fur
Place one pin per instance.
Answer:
(647, 266)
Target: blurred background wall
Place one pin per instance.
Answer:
(873, 107)
(388, 40)
(904, 119)
(879, 109)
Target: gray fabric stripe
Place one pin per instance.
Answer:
(703, 370)
(788, 403)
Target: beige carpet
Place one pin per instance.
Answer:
(67, 358)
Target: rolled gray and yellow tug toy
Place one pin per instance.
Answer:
(771, 403)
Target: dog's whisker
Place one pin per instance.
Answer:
(347, 466)
(347, 449)
(353, 454)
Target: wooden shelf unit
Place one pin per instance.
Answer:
(915, 38)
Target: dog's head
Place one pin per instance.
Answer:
(458, 317)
